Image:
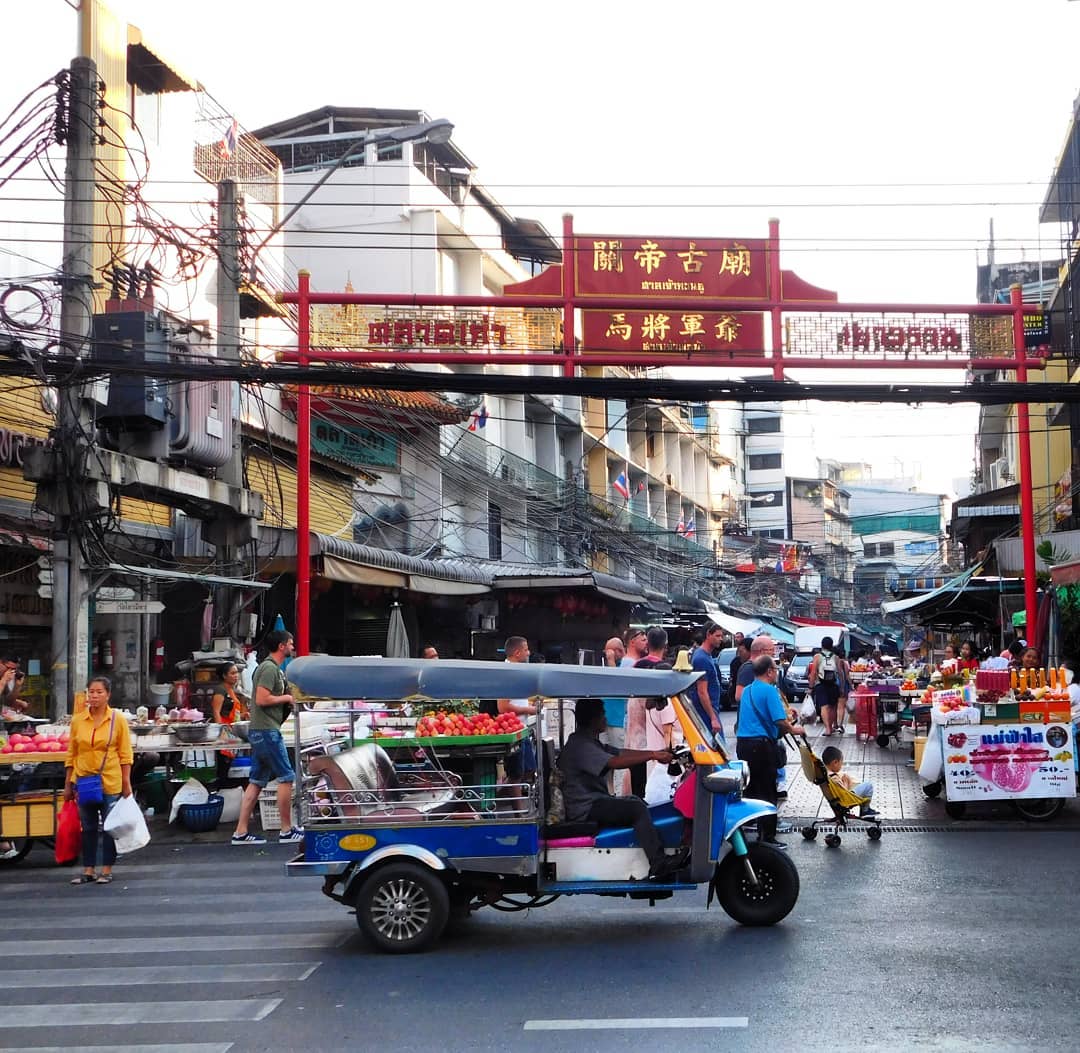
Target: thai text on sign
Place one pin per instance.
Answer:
(683, 332)
(721, 268)
(436, 333)
(877, 336)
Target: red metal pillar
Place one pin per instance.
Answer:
(1027, 494)
(303, 471)
(774, 295)
(569, 277)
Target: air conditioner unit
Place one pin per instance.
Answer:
(999, 473)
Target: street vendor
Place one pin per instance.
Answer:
(228, 708)
(11, 682)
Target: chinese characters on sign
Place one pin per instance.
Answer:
(673, 331)
(724, 268)
(911, 337)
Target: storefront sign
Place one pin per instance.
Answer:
(639, 268)
(911, 337)
(681, 332)
(359, 446)
(20, 603)
(987, 762)
(13, 444)
(439, 332)
(1036, 329)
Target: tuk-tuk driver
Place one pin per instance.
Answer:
(585, 762)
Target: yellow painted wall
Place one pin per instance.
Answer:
(1051, 454)
(331, 499)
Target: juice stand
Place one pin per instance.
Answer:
(1012, 745)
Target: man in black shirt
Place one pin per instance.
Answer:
(585, 762)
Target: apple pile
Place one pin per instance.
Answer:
(36, 744)
(442, 723)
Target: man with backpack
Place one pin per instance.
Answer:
(824, 678)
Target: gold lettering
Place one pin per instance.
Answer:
(619, 327)
(736, 261)
(655, 326)
(607, 256)
(650, 256)
(692, 259)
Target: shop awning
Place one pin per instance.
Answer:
(349, 561)
(511, 576)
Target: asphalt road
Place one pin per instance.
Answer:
(920, 942)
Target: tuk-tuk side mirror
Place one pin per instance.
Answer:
(725, 781)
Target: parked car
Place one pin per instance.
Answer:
(798, 676)
(723, 667)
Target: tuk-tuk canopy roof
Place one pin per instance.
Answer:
(384, 679)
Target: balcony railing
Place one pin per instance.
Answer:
(491, 464)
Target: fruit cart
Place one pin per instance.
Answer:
(26, 816)
(410, 841)
(987, 754)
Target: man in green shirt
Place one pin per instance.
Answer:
(269, 758)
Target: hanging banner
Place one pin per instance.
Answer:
(637, 268)
(679, 332)
(988, 762)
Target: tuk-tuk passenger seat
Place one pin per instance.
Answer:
(569, 835)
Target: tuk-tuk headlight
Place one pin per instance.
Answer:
(728, 781)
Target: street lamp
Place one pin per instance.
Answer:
(437, 131)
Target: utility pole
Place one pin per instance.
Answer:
(70, 645)
(228, 350)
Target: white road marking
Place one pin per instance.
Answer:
(115, 922)
(113, 1014)
(176, 944)
(189, 1047)
(129, 976)
(642, 1023)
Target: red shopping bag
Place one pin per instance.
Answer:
(68, 834)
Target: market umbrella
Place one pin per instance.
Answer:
(397, 639)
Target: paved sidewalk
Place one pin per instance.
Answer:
(898, 793)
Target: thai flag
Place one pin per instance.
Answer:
(680, 527)
(691, 527)
(620, 486)
(779, 568)
(479, 418)
(227, 146)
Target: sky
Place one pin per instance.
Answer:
(884, 136)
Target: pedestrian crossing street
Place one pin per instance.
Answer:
(185, 956)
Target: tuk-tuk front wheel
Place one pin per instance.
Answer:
(769, 900)
(402, 908)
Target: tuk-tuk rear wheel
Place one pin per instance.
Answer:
(771, 900)
(402, 907)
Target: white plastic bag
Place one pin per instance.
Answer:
(933, 760)
(126, 825)
(247, 675)
(807, 710)
(660, 787)
(192, 792)
(230, 811)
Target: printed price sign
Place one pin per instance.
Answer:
(987, 762)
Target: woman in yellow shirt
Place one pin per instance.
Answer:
(100, 743)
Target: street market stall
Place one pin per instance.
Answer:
(1002, 736)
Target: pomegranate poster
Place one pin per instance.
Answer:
(987, 762)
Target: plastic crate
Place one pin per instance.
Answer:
(268, 809)
(201, 818)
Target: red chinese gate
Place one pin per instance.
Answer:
(667, 301)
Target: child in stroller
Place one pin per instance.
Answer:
(840, 791)
(833, 759)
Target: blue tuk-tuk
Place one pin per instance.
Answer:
(415, 832)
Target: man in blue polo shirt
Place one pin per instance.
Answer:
(707, 701)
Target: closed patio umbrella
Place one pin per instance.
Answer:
(397, 639)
